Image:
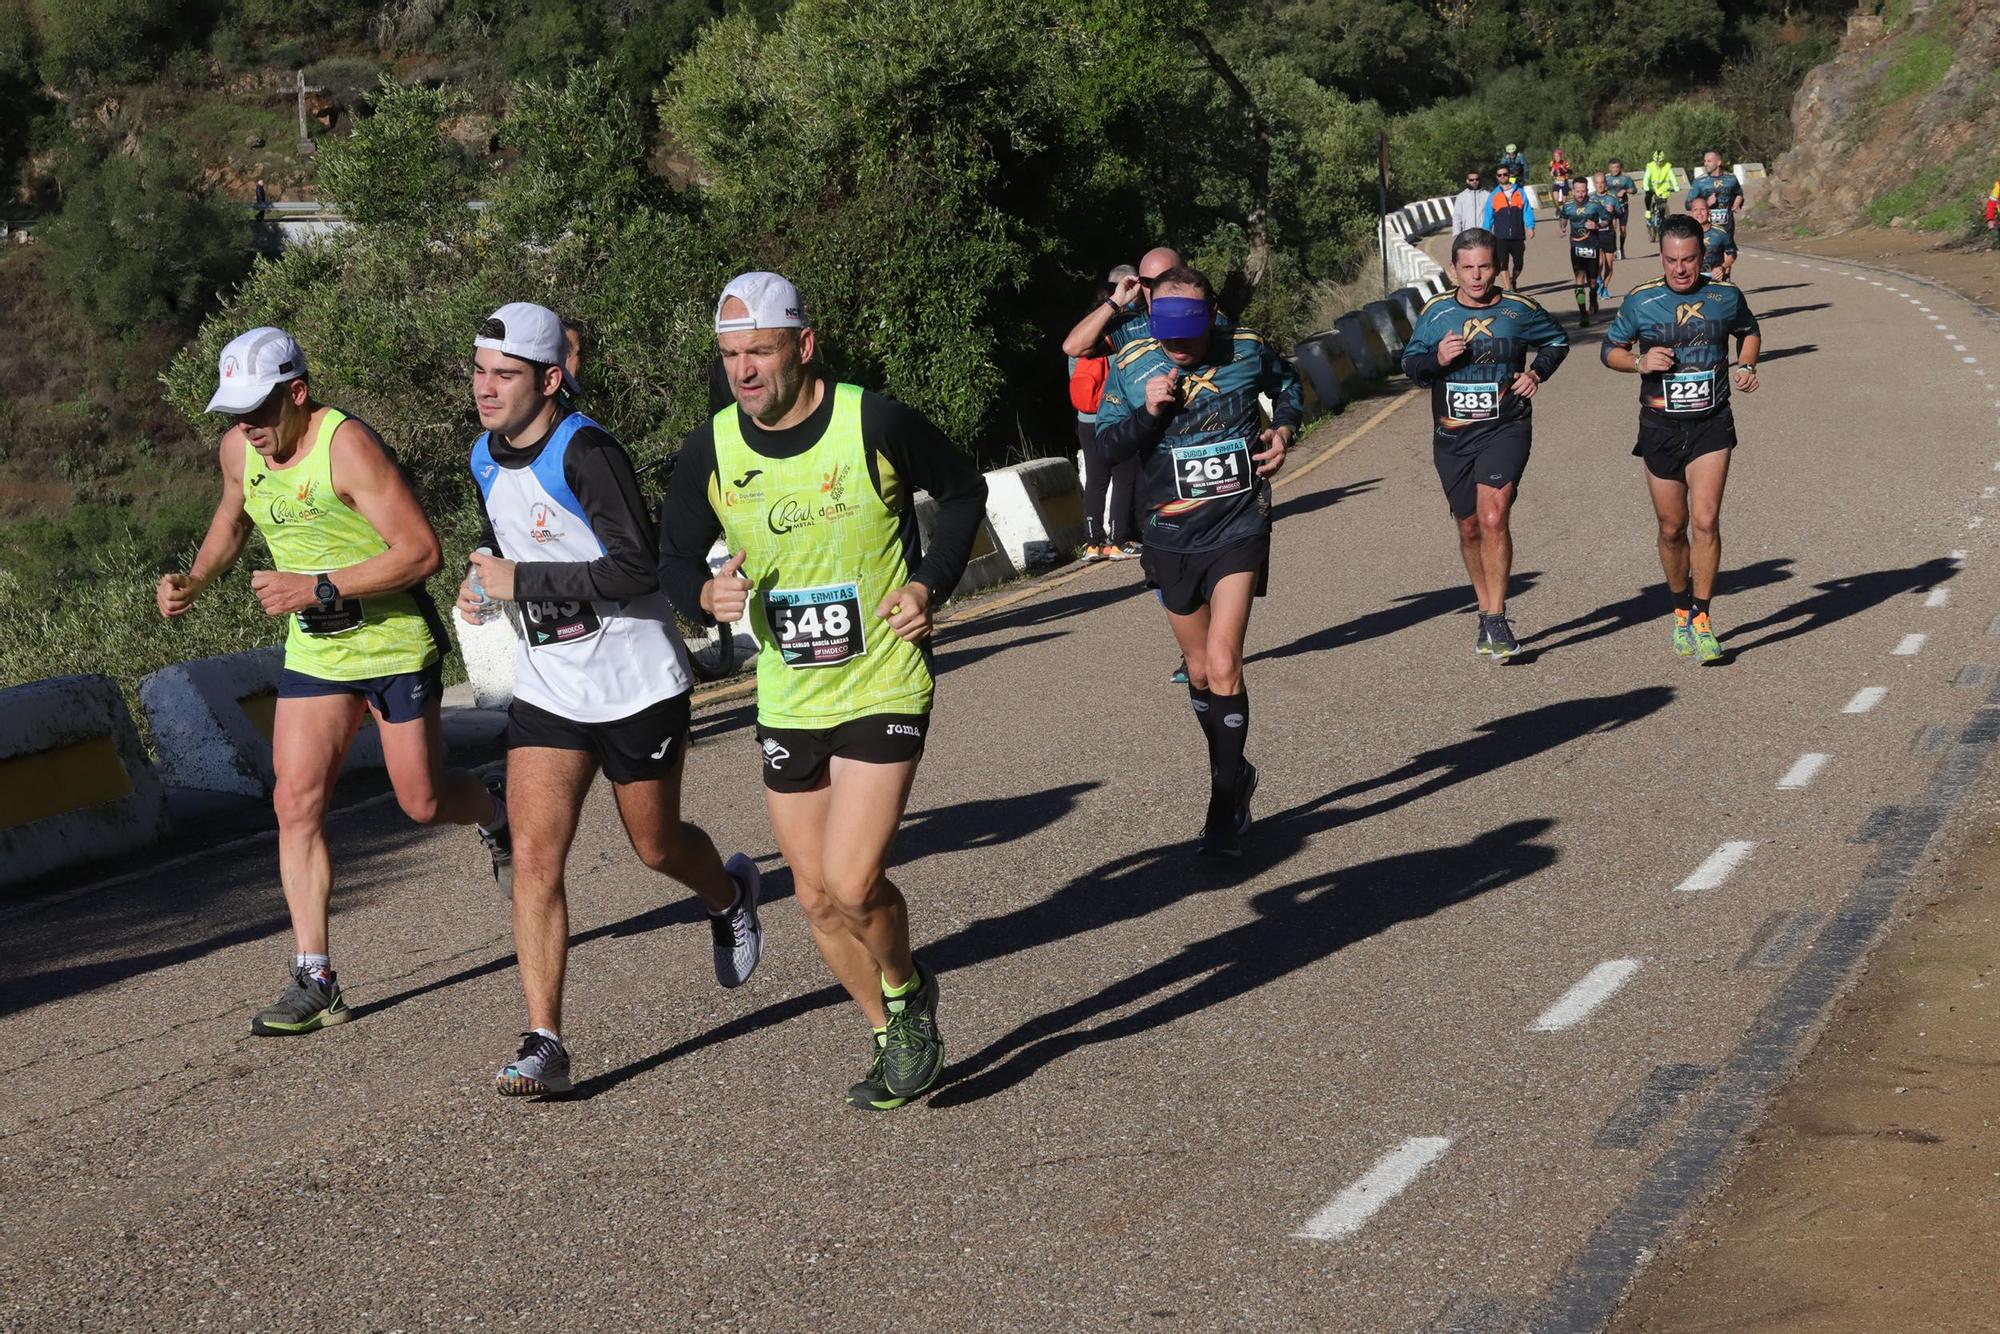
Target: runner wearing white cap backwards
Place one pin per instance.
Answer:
(351, 549)
(813, 485)
(600, 676)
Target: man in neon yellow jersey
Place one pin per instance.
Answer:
(352, 550)
(812, 484)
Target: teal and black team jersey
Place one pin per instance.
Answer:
(1583, 242)
(1473, 396)
(1619, 190)
(1697, 325)
(1722, 192)
(1197, 480)
(1717, 244)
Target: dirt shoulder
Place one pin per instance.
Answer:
(1869, 1198)
(1972, 268)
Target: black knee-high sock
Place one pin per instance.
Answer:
(1231, 731)
(1204, 713)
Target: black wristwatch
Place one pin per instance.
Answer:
(327, 594)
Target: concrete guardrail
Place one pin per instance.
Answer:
(75, 784)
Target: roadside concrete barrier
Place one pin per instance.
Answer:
(1364, 347)
(211, 721)
(1328, 377)
(75, 784)
(1036, 511)
(1391, 326)
(1410, 300)
(989, 564)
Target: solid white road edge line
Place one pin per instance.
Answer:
(1717, 868)
(1391, 1175)
(1597, 987)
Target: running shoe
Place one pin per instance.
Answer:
(1117, 552)
(1219, 834)
(541, 1066)
(1603, 291)
(1683, 633)
(1482, 639)
(500, 842)
(1129, 550)
(913, 1057)
(1246, 788)
(1500, 642)
(1091, 553)
(1179, 677)
(739, 936)
(312, 1002)
(872, 1093)
(1705, 646)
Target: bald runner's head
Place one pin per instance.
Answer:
(1157, 261)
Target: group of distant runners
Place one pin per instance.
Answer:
(808, 484)
(1485, 353)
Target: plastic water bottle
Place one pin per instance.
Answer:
(487, 608)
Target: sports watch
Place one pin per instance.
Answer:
(327, 594)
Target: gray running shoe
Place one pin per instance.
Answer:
(500, 842)
(914, 1055)
(739, 936)
(311, 1003)
(1482, 641)
(541, 1066)
(1500, 641)
(871, 1094)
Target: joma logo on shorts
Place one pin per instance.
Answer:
(904, 729)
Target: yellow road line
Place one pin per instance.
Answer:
(722, 694)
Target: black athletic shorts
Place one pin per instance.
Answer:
(1668, 447)
(1498, 458)
(401, 698)
(1590, 265)
(1507, 252)
(642, 748)
(796, 758)
(1186, 580)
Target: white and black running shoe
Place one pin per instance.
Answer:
(541, 1066)
(739, 935)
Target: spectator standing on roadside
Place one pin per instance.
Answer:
(1510, 216)
(1112, 538)
(1468, 206)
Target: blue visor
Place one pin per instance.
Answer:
(1180, 317)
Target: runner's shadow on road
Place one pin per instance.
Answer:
(1777, 287)
(952, 659)
(1836, 600)
(1297, 926)
(1647, 605)
(1314, 501)
(1037, 613)
(1409, 610)
(1802, 350)
(1783, 311)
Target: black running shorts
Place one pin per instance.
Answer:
(1186, 580)
(1667, 447)
(642, 748)
(796, 758)
(1496, 458)
(1508, 251)
(401, 698)
(1585, 266)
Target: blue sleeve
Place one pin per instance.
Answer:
(1624, 330)
(1281, 382)
(1486, 213)
(1745, 323)
(1528, 210)
(1420, 361)
(1112, 407)
(1551, 343)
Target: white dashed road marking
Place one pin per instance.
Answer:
(1390, 1176)
(1865, 699)
(1909, 646)
(1938, 597)
(1596, 988)
(1711, 873)
(1802, 771)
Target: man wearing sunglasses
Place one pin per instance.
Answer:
(351, 549)
(1122, 318)
(1468, 206)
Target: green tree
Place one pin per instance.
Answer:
(400, 167)
(141, 237)
(90, 42)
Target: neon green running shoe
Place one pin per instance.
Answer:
(1683, 634)
(1705, 646)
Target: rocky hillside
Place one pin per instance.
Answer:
(1898, 129)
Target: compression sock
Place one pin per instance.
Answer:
(1232, 729)
(1581, 299)
(1205, 713)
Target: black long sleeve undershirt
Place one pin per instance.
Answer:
(600, 475)
(918, 452)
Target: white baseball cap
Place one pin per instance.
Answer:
(770, 299)
(252, 366)
(528, 331)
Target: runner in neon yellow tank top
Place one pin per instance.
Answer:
(352, 549)
(811, 484)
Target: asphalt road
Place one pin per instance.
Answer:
(1449, 1049)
